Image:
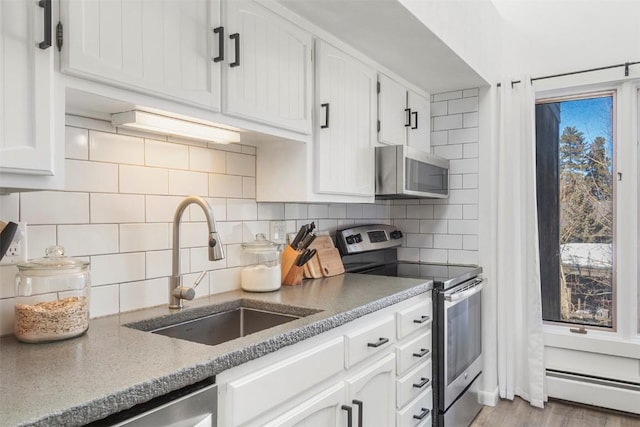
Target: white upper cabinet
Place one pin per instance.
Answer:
(345, 125)
(163, 47)
(27, 110)
(268, 67)
(404, 115)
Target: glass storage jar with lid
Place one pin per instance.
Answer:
(263, 272)
(52, 297)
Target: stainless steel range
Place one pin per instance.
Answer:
(457, 344)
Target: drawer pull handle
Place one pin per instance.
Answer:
(423, 382)
(349, 410)
(422, 414)
(423, 352)
(380, 342)
(360, 406)
(422, 319)
(236, 38)
(220, 32)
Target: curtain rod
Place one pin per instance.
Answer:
(625, 65)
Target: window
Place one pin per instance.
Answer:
(576, 191)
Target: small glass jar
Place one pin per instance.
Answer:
(52, 297)
(263, 272)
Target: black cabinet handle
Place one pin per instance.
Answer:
(381, 341)
(360, 406)
(46, 5)
(415, 116)
(422, 414)
(220, 32)
(422, 319)
(423, 352)
(423, 382)
(326, 115)
(349, 410)
(408, 122)
(236, 38)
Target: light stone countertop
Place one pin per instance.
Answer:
(113, 367)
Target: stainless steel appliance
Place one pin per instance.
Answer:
(405, 172)
(457, 299)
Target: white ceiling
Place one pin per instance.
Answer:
(388, 33)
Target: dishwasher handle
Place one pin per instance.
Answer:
(473, 288)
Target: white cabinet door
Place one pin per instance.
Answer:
(27, 131)
(345, 127)
(371, 393)
(419, 131)
(321, 410)
(268, 67)
(393, 113)
(163, 47)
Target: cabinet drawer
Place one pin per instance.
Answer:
(414, 317)
(416, 413)
(266, 388)
(412, 352)
(413, 383)
(369, 340)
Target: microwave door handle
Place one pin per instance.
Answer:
(466, 293)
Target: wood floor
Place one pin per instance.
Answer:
(556, 413)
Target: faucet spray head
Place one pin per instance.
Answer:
(216, 252)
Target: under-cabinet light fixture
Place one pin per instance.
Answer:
(153, 122)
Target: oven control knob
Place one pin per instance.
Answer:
(358, 238)
(396, 234)
(350, 240)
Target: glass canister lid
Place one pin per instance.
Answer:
(54, 262)
(260, 245)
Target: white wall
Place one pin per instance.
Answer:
(550, 37)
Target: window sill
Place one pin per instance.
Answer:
(594, 341)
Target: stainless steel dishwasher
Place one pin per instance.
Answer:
(192, 406)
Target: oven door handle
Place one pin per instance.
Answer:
(457, 296)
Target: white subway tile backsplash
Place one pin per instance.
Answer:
(144, 237)
(143, 180)
(338, 210)
(447, 122)
(470, 242)
(433, 255)
(439, 138)
(114, 148)
(470, 120)
(447, 241)
(447, 96)
(463, 257)
(218, 205)
(116, 268)
(104, 300)
(408, 225)
(39, 238)
(166, 155)
(76, 143)
(318, 211)
(200, 262)
(463, 136)
(94, 239)
(419, 211)
(295, 211)
(470, 212)
(419, 240)
(463, 197)
(470, 180)
(470, 92)
(81, 175)
(8, 281)
(439, 108)
(225, 185)
(187, 183)
(143, 294)
(241, 164)
(463, 105)
(330, 225)
(463, 166)
(207, 160)
(448, 151)
(116, 208)
(51, 207)
(194, 234)
(355, 211)
(158, 263)
(251, 228)
(224, 280)
(242, 210)
(463, 226)
(7, 310)
(432, 226)
(470, 151)
(231, 232)
(162, 208)
(447, 212)
(398, 211)
(10, 207)
(235, 256)
(455, 182)
(270, 211)
(409, 254)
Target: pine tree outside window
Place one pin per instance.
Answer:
(575, 190)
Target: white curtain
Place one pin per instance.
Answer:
(519, 313)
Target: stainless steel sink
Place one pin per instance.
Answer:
(222, 327)
(218, 323)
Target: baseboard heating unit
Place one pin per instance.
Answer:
(603, 392)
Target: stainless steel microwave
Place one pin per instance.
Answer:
(405, 172)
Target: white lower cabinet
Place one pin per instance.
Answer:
(334, 379)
